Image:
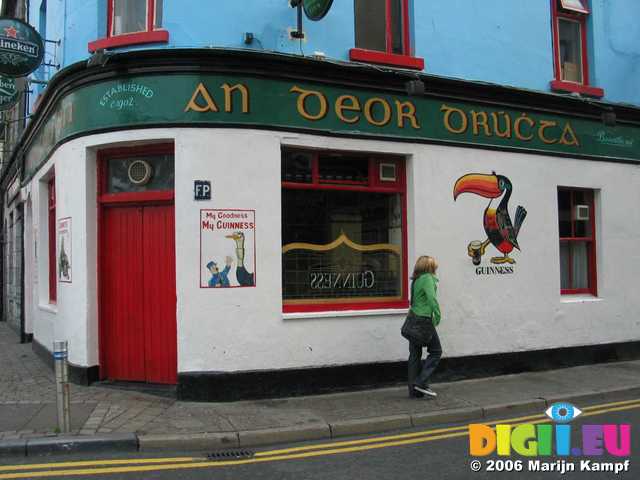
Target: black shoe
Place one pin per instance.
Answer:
(425, 390)
(415, 394)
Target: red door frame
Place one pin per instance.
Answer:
(53, 273)
(159, 197)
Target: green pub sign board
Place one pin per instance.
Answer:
(241, 101)
(8, 92)
(21, 48)
(316, 9)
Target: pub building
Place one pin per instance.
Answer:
(244, 224)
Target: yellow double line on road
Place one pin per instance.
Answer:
(95, 467)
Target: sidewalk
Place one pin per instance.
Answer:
(106, 417)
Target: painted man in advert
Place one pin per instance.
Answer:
(219, 278)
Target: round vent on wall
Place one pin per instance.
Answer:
(140, 172)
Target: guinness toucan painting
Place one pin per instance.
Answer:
(501, 231)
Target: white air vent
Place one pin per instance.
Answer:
(388, 172)
(140, 172)
(581, 212)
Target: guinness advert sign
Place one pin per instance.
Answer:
(8, 92)
(21, 48)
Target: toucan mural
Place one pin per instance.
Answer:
(502, 233)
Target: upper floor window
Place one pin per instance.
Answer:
(571, 59)
(132, 16)
(383, 33)
(132, 22)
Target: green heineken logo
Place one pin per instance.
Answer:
(8, 92)
(21, 48)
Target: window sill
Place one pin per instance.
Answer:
(48, 307)
(579, 298)
(570, 87)
(140, 38)
(345, 313)
(383, 58)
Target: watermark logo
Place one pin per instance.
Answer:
(545, 440)
(562, 412)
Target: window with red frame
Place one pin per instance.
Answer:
(343, 231)
(51, 193)
(383, 33)
(570, 47)
(131, 22)
(576, 219)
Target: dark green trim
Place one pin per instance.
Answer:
(331, 76)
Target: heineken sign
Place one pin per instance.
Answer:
(21, 48)
(8, 92)
(316, 9)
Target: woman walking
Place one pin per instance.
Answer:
(424, 304)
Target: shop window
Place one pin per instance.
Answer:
(51, 193)
(576, 219)
(571, 59)
(343, 231)
(132, 22)
(383, 33)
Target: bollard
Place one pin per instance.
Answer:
(60, 354)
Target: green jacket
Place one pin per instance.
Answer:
(424, 302)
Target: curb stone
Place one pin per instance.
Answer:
(12, 448)
(194, 442)
(122, 442)
(446, 416)
(538, 405)
(593, 396)
(254, 438)
(359, 426)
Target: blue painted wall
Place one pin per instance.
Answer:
(499, 41)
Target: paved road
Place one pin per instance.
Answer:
(441, 452)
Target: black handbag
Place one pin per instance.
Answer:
(418, 330)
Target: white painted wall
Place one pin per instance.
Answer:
(244, 328)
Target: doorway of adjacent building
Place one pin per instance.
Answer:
(138, 339)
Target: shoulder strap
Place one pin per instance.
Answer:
(413, 281)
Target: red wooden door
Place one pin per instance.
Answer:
(138, 299)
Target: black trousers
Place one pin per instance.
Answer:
(419, 371)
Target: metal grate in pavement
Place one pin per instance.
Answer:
(230, 455)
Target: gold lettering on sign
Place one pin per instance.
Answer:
(410, 114)
(569, 136)
(544, 124)
(353, 106)
(506, 133)
(368, 111)
(228, 99)
(201, 91)
(516, 126)
(448, 111)
(479, 119)
(304, 94)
